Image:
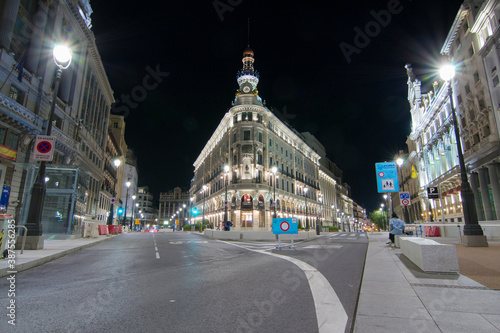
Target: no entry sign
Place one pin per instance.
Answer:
(44, 148)
(285, 226)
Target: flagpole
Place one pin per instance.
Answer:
(10, 73)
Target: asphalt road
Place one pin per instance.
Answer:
(183, 282)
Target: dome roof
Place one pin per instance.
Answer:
(248, 52)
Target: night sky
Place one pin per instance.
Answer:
(346, 89)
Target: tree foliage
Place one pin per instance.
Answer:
(378, 217)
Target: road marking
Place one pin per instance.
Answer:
(330, 312)
(330, 246)
(156, 248)
(189, 241)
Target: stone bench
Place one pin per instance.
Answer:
(430, 256)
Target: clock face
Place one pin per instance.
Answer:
(246, 89)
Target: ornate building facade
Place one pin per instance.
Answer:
(271, 169)
(75, 180)
(476, 96)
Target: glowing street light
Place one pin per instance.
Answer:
(473, 233)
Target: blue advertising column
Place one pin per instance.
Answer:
(285, 226)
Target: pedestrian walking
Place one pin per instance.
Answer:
(396, 227)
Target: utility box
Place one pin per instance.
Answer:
(5, 221)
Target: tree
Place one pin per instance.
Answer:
(378, 217)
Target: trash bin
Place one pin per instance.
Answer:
(5, 236)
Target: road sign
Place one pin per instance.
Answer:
(44, 148)
(387, 177)
(285, 226)
(432, 192)
(405, 198)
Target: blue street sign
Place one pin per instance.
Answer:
(285, 226)
(387, 177)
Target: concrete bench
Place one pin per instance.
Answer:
(429, 255)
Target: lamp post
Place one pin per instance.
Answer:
(406, 216)
(205, 187)
(191, 210)
(116, 162)
(132, 222)
(305, 203)
(62, 58)
(473, 233)
(135, 213)
(386, 222)
(126, 202)
(274, 170)
(226, 173)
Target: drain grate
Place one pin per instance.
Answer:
(447, 286)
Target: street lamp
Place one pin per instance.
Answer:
(473, 233)
(305, 202)
(126, 202)
(205, 187)
(62, 58)
(226, 173)
(406, 216)
(132, 222)
(274, 170)
(135, 213)
(116, 163)
(386, 220)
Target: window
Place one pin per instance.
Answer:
(246, 135)
(260, 137)
(270, 143)
(8, 138)
(234, 137)
(12, 140)
(495, 81)
(476, 77)
(16, 94)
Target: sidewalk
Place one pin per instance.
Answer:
(396, 296)
(52, 249)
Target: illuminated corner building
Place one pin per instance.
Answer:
(28, 32)
(250, 139)
(170, 203)
(336, 204)
(471, 43)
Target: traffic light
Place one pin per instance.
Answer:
(119, 211)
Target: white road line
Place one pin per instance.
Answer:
(156, 248)
(330, 312)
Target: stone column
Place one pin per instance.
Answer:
(485, 194)
(9, 12)
(474, 184)
(495, 187)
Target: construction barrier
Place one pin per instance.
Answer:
(432, 231)
(103, 229)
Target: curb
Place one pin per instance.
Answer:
(40, 261)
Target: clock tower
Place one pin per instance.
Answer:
(248, 77)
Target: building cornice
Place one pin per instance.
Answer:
(455, 27)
